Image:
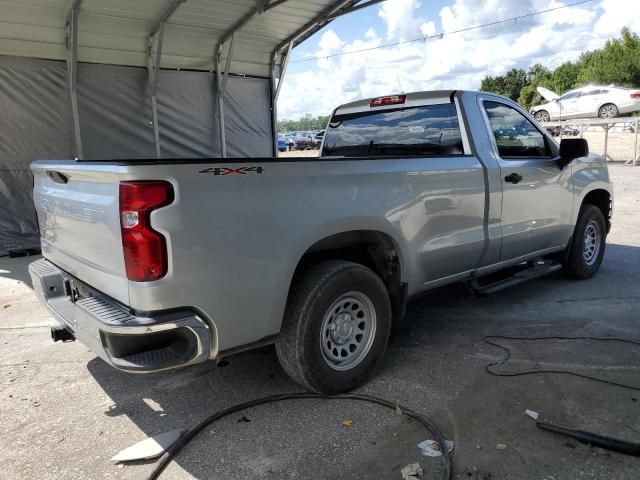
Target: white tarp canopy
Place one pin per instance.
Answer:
(117, 31)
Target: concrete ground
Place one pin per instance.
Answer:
(64, 413)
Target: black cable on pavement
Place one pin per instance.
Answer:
(170, 454)
(532, 372)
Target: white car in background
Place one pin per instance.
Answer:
(587, 102)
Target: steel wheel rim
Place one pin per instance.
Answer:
(348, 330)
(591, 243)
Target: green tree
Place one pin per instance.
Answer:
(617, 63)
(492, 84)
(305, 123)
(538, 73)
(508, 85)
(529, 96)
(563, 78)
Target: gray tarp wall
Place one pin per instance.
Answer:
(115, 123)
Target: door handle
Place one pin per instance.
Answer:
(513, 178)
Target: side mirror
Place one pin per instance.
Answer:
(572, 148)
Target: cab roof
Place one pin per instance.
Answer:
(412, 99)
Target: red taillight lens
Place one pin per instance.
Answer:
(635, 95)
(145, 250)
(388, 100)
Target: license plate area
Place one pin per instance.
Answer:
(75, 290)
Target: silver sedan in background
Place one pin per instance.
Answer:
(587, 102)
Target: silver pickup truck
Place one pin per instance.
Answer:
(158, 264)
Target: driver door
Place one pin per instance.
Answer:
(537, 199)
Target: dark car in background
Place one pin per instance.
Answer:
(304, 143)
(283, 143)
(317, 140)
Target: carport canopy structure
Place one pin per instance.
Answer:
(239, 37)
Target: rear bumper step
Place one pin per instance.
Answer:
(128, 342)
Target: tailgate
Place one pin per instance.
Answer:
(79, 219)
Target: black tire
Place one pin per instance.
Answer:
(579, 264)
(542, 116)
(608, 110)
(299, 347)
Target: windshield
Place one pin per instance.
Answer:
(425, 130)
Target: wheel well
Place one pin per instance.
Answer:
(601, 199)
(373, 249)
(608, 103)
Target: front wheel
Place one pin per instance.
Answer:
(542, 116)
(587, 246)
(335, 328)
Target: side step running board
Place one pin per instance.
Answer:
(539, 269)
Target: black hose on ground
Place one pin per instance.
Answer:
(503, 360)
(593, 439)
(170, 454)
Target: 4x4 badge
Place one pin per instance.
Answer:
(233, 171)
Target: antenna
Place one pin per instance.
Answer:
(399, 84)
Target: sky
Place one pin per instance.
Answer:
(455, 61)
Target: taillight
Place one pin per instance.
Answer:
(388, 100)
(145, 250)
(635, 95)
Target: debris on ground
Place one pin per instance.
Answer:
(411, 471)
(6, 305)
(244, 419)
(151, 447)
(431, 448)
(501, 446)
(399, 411)
(347, 422)
(532, 414)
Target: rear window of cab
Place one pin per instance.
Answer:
(428, 130)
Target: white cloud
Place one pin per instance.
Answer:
(399, 16)
(457, 60)
(428, 29)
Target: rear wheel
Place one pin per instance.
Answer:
(608, 110)
(542, 116)
(335, 328)
(588, 244)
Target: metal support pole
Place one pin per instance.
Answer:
(71, 46)
(636, 154)
(227, 66)
(222, 88)
(165, 15)
(274, 111)
(223, 146)
(283, 71)
(154, 54)
(355, 8)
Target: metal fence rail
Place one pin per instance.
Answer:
(606, 124)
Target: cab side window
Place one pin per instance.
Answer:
(515, 135)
